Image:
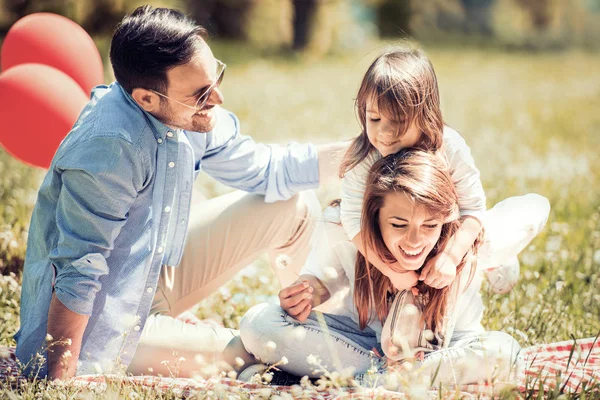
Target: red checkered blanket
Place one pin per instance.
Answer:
(569, 366)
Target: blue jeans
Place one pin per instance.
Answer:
(471, 356)
(338, 342)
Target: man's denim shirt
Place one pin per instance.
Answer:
(114, 207)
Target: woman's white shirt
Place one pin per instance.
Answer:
(465, 175)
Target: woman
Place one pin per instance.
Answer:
(410, 212)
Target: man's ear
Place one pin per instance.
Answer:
(146, 99)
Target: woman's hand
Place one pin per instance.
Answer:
(296, 299)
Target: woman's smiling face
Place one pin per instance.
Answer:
(409, 230)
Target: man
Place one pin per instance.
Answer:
(116, 248)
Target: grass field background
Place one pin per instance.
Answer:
(532, 122)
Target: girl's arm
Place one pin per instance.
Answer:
(400, 280)
(441, 270)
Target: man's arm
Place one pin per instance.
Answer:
(99, 186)
(66, 329)
(277, 171)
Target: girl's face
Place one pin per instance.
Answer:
(382, 132)
(409, 230)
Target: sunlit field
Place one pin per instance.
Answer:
(532, 122)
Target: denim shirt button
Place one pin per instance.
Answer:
(136, 328)
(170, 134)
(167, 209)
(171, 164)
(159, 250)
(159, 140)
(149, 290)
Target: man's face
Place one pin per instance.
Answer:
(185, 84)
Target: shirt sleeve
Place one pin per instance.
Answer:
(323, 260)
(276, 171)
(98, 187)
(354, 183)
(465, 175)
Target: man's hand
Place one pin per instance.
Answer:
(296, 299)
(440, 271)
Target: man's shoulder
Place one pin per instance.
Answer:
(109, 114)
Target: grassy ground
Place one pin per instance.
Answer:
(532, 122)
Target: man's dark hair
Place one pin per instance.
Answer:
(148, 42)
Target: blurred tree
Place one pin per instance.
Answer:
(223, 18)
(393, 17)
(305, 12)
(539, 12)
(478, 16)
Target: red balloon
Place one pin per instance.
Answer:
(53, 40)
(38, 106)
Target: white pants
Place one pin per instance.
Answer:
(226, 234)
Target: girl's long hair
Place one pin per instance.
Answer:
(425, 178)
(404, 84)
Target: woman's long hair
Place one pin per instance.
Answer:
(425, 178)
(404, 84)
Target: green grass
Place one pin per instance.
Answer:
(533, 125)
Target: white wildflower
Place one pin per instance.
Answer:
(312, 360)
(418, 391)
(97, 368)
(67, 354)
(199, 359)
(4, 353)
(407, 366)
(553, 244)
(284, 360)
(232, 374)
(296, 391)
(150, 370)
(283, 261)
(559, 285)
(69, 342)
(597, 257)
(239, 362)
(49, 337)
(271, 345)
(210, 370)
(299, 333)
(267, 377)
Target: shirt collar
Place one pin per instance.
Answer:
(158, 128)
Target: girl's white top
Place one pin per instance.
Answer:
(332, 260)
(465, 175)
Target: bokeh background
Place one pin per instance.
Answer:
(520, 79)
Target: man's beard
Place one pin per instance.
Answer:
(191, 123)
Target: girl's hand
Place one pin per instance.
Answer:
(439, 272)
(296, 300)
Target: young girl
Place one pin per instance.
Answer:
(410, 203)
(398, 106)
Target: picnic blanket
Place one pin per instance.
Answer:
(568, 366)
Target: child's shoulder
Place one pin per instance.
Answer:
(453, 139)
